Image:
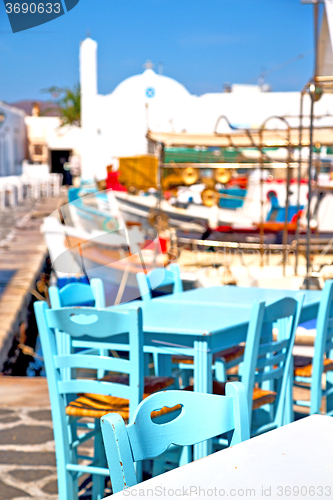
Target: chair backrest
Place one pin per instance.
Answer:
(201, 417)
(90, 324)
(324, 338)
(268, 360)
(158, 278)
(78, 294)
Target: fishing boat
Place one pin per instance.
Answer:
(85, 237)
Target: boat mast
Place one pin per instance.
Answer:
(315, 94)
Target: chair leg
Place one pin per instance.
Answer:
(98, 481)
(67, 484)
(220, 370)
(186, 455)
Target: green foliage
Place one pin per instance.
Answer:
(68, 102)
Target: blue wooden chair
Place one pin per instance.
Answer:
(74, 396)
(223, 360)
(159, 278)
(266, 372)
(198, 417)
(78, 294)
(311, 370)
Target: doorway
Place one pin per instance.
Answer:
(58, 159)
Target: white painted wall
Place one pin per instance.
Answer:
(12, 140)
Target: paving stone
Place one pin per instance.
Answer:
(27, 458)
(51, 488)
(41, 415)
(30, 474)
(3, 411)
(9, 419)
(23, 434)
(8, 492)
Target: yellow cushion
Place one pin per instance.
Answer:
(97, 405)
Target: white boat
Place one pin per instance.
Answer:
(115, 256)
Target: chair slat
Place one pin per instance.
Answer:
(271, 361)
(274, 346)
(81, 322)
(93, 362)
(81, 386)
(272, 374)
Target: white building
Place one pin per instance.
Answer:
(116, 124)
(13, 142)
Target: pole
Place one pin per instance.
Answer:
(286, 220)
(299, 176)
(262, 202)
(308, 233)
(312, 91)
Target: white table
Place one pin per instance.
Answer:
(298, 455)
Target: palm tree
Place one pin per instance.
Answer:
(68, 102)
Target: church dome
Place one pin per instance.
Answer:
(150, 86)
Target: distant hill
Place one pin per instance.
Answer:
(46, 108)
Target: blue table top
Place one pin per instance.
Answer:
(185, 318)
(239, 295)
(207, 311)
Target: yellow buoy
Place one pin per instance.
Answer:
(209, 197)
(190, 175)
(222, 175)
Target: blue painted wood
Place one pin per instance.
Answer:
(179, 327)
(236, 295)
(266, 360)
(202, 417)
(86, 324)
(78, 294)
(322, 348)
(158, 278)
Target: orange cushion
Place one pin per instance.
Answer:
(305, 370)
(97, 405)
(260, 397)
(228, 354)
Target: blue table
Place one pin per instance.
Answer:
(204, 321)
(236, 295)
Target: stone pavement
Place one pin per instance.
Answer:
(27, 452)
(27, 460)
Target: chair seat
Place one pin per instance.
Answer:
(260, 396)
(96, 405)
(303, 366)
(228, 354)
(152, 383)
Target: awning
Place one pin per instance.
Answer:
(242, 139)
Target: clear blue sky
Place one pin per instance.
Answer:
(202, 44)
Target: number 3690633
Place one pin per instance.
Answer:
(33, 8)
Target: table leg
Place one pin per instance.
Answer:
(329, 385)
(203, 382)
(164, 365)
